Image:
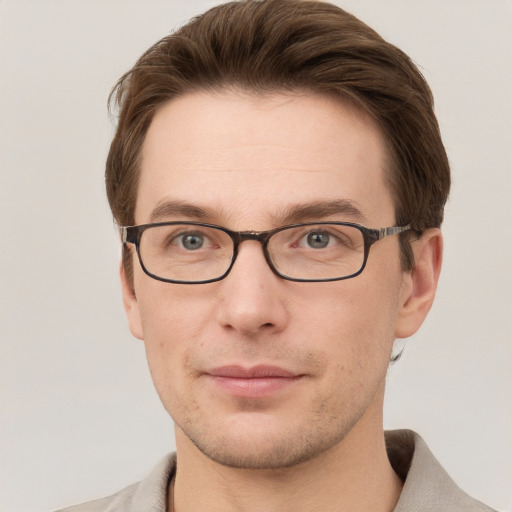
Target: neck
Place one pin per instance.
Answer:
(353, 475)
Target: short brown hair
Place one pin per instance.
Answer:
(266, 46)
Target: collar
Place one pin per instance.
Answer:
(427, 486)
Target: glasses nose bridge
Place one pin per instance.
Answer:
(258, 236)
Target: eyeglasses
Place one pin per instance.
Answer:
(196, 253)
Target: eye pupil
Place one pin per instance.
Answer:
(192, 242)
(318, 240)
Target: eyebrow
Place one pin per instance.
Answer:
(291, 214)
(180, 209)
(317, 210)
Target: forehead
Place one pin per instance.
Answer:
(247, 156)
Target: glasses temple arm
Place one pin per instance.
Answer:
(384, 232)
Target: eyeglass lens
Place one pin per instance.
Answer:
(192, 253)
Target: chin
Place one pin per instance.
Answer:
(275, 456)
(263, 448)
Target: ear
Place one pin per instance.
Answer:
(420, 285)
(131, 306)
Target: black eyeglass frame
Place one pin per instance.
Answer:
(133, 234)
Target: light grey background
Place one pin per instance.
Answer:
(80, 418)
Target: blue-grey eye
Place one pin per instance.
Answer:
(318, 239)
(192, 241)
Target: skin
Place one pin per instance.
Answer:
(317, 442)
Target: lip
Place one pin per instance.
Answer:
(254, 372)
(253, 382)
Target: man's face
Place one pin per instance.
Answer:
(257, 371)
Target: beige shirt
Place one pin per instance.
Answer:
(427, 486)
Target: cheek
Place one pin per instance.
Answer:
(172, 324)
(352, 323)
(171, 312)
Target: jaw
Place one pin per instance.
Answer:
(349, 472)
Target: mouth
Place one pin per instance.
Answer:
(254, 382)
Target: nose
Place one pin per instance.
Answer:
(252, 298)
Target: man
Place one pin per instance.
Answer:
(279, 179)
